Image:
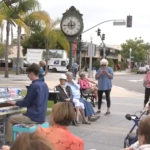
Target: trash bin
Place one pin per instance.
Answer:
(93, 72)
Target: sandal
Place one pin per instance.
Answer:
(98, 112)
(77, 122)
(86, 122)
(94, 118)
(107, 113)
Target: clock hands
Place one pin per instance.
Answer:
(70, 25)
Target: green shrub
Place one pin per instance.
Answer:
(111, 63)
(123, 65)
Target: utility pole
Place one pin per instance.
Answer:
(90, 66)
(104, 50)
(130, 50)
(104, 46)
(102, 38)
(80, 39)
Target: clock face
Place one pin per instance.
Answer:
(71, 26)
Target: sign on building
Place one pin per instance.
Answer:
(34, 55)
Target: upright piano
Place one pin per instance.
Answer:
(7, 95)
(7, 109)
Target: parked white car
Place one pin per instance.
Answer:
(144, 69)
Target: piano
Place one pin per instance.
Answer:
(6, 109)
(7, 95)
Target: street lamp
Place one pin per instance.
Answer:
(130, 50)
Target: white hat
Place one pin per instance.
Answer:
(63, 77)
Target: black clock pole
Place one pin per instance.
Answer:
(72, 29)
(70, 57)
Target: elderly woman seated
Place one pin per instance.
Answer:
(86, 87)
(65, 95)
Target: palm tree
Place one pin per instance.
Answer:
(53, 37)
(22, 9)
(10, 18)
(2, 29)
(29, 11)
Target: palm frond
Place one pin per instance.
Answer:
(23, 25)
(26, 6)
(41, 16)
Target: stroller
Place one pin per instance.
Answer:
(131, 137)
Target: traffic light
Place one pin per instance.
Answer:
(129, 21)
(81, 46)
(107, 52)
(101, 52)
(99, 32)
(80, 37)
(103, 37)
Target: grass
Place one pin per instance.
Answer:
(10, 72)
(49, 103)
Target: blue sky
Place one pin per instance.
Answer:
(96, 11)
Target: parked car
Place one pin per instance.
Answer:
(142, 70)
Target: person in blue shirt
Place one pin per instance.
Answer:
(41, 72)
(104, 76)
(35, 101)
(75, 89)
(75, 69)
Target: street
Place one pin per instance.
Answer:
(132, 82)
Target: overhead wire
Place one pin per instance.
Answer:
(13, 11)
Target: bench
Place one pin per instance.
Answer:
(22, 128)
(86, 96)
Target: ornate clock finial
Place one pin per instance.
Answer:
(72, 8)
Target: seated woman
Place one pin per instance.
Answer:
(65, 95)
(89, 112)
(58, 134)
(86, 87)
(29, 141)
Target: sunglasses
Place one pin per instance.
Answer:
(103, 65)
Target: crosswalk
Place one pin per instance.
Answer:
(138, 80)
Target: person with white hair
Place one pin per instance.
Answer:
(104, 76)
(65, 95)
(75, 89)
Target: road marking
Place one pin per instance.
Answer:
(140, 80)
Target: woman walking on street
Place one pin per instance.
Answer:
(104, 76)
(147, 87)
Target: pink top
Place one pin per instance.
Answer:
(84, 83)
(147, 80)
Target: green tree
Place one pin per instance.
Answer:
(29, 11)
(38, 40)
(35, 40)
(10, 18)
(2, 51)
(139, 49)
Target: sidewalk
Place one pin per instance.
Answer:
(108, 132)
(116, 90)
